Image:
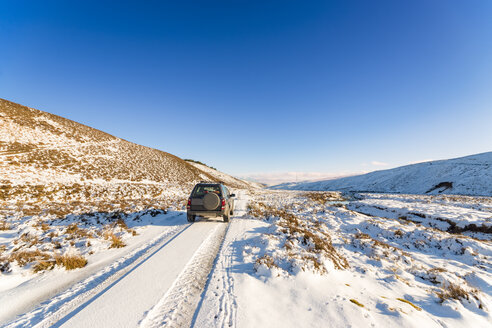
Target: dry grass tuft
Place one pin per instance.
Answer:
(71, 262)
(378, 243)
(399, 233)
(295, 228)
(44, 265)
(74, 231)
(4, 225)
(437, 269)
(410, 303)
(266, 260)
(356, 302)
(25, 257)
(122, 224)
(323, 196)
(116, 241)
(452, 291)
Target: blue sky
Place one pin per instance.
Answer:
(320, 87)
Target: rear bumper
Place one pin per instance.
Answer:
(207, 214)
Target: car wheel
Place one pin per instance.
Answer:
(226, 217)
(191, 218)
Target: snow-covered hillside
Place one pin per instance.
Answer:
(46, 158)
(226, 178)
(93, 232)
(286, 259)
(470, 175)
(71, 195)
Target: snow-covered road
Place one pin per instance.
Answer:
(126, 302)
(260, 269)
(162, 286)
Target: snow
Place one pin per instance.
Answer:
(470, 175)
(130, 298)
(226, 178)
(436, 214)
(22, 290)
(212, 274)
(395, 284)
(286, 259)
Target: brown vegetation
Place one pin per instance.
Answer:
(25, 257)
(453, 228)
(356, 302)
(74, 231)
(116, 241)
(410, 303)
(71, 262)
(378, 243)
(4, 225)
(453, 291)
(323, 196)
(266, 260)
(295, 228)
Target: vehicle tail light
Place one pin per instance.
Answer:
(223, 203)
(189, 203)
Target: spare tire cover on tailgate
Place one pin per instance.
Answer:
(211, 201)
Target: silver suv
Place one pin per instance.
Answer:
(210, 199)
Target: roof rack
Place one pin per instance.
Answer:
(221, 182)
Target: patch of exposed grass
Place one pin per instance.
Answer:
(4, 225)
(25, 257)
(452, 291)
(122, 224)
(74, 231)
(356, 302)
(472, 227)
(437, 269)
(44, 265)
(293, 227)
(71, 262)
(410, 303)
(378, 243)
(266, 260)
(323, 196)
(116, 241)
(399, 233)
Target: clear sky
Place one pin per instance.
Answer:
(315, 87)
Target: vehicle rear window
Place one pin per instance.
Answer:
(201, 190)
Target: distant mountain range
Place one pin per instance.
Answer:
(470, 175)
(44, 157)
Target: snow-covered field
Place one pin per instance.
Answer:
(470, 175)
(286, 259)
(365, 271)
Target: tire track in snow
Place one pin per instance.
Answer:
(53, 311)
(221, 282)
(227, 310)
(177, 306)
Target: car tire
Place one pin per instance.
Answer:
(226, 217)
(191, 218)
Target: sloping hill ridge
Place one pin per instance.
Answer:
(47, 158)
(470, 175)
